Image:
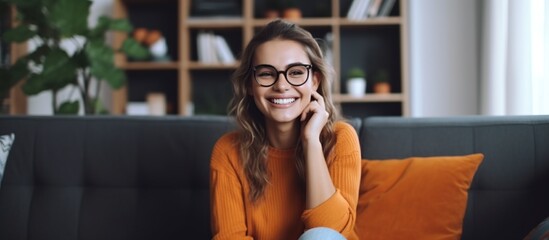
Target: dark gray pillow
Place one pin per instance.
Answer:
(6, 141)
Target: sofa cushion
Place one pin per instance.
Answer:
(414, 198)
(5, 145)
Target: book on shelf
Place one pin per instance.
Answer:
(358, 9)
(223, 50)
(374, 7)
(386, 8)
(362, 9)
(213, 49)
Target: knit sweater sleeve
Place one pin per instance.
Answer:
(226, 192)
(339, 211)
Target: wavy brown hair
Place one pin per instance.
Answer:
(251, 122)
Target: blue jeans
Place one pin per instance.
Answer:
(321, 233)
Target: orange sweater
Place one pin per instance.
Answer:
(281, 213)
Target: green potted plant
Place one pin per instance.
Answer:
(49, 67)
(356, 82)
(381, 82)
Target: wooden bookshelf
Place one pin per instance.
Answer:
(16, 101)
(372, 43)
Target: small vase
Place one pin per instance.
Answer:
(292, 13)
(356, 87)
(271, 14)
(382, 88)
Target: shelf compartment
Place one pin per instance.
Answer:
(309, 8)
(211, 91)
(162, 16)
(140, 83)
(233, 37)
(371, 49)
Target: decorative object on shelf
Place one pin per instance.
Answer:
(137, 108)
(291, 10)
(51, 68)
(213, 49)
(356, 82)
(154, 41)
(157, 103)
(358, 10)
(381, 82)
(272, 9)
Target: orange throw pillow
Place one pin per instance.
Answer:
(414, 198)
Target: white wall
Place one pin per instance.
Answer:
(41, 104)
(444, 57)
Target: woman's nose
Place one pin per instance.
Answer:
(281, 84)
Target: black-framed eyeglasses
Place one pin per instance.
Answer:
(296, 74)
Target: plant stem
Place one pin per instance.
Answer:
(96, 99)
(54, 101)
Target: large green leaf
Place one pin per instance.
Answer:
(9, 77)
(98, 32)
(19, 34)
(134, 49)
(58, 71)
(70, 17)
(58, 66)
(99, 107)
(35, 14)
(101, 58)
(39, 54)
(81, 59)
(69, 107)
(19, 70)
(34, 85)
(122, 25)
(105, 24)
(115, 77)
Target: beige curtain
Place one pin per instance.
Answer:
(515, 57)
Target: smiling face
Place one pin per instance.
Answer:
(282, 102)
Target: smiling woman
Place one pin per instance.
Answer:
(291, 162)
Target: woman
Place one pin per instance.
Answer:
(290, 166)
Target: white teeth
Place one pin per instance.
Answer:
(282, 100)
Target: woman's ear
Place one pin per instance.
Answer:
(316, 80)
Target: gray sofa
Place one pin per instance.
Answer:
(147, 177)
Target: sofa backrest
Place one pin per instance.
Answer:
(148, 177)
(510, 191)
(108, 177)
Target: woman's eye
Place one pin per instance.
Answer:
(266, 74)
(295, 73)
